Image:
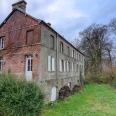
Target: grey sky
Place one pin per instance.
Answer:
(67, 17)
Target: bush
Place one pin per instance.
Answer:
(107, 77)
(76, 88)
(19, 97)
(64, 92)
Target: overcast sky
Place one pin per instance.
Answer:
(67, 17)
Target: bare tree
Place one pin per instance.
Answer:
(112, 25)
(96, 46)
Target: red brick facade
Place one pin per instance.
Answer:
(22, 33)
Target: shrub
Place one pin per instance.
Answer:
(19, 97)
(64, 92)
(76, 88)
(108, 76)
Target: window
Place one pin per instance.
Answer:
(51, 42)
(28, 72)
(29, 63)
(73, 67)
(77, 68)
(73, 52)
(1, 64)
(82, 58)
(79, 57)
(61, 47)
(68, 66)
(68, 51)
(80, 68)
(30, 37)
(2, 43)
(69, 84)
(51, 63)
(62, 65)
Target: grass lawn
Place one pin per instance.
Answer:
(95, 100)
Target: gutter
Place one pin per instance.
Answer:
(57, 58)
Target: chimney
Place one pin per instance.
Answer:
(21, 4)
(49, 24)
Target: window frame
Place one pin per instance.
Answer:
(61, 47)
(52, 37)
(2, 42)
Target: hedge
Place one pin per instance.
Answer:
(19, 97)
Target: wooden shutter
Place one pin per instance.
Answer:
(67, 67)
(64, 67)
(53, 64)
(60, 65)
(72, 52)
(49, 63)
(72, 66)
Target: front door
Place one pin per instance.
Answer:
(29, 68)
(53, 94)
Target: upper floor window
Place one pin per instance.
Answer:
(68, 51)
(61, 47)
(30, 37)
(79, 57)
(51, 42)
(1, 42)
(73, 53)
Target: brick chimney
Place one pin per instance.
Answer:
(21, 4)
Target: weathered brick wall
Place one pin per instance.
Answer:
(14, 60)
(16, 27)
(16, 49)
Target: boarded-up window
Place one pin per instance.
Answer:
(52, 42)
(30, 37)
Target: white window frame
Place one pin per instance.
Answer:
(2, 43)
(29, 67)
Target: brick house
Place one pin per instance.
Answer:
(31, 48)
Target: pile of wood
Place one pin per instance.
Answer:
(76, 88)
(64, 92)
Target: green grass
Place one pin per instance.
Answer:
(95, 100)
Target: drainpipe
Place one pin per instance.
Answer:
(57, 60)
